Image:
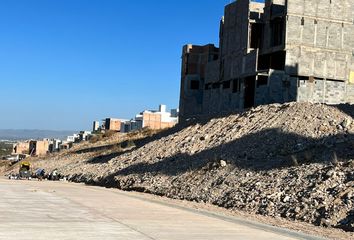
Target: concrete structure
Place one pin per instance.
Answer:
(54, 145)
(118, 216)
(74, 138)
(131, 125)
(113, 124)
(160, 119)
(273, 52)
(21, 148)
(153, 119)
(39, 148)
(194, 61)
(84, 135)
(96, 126)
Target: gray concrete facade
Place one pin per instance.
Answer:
(275, 52)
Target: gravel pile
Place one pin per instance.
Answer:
(293, 161)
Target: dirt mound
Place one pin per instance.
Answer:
(293, 161)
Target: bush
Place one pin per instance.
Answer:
(95, 138)
(108, 134)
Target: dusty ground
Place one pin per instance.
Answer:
(291, 162)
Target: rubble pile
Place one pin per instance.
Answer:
(294, 161)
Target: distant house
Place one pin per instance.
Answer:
(73, 138)
(54, 145)
(96, 126)
(39, 148)
(84, 135)
(21, 148)
(113, 124)
(160, 119)
(131, 125)
(153, 119)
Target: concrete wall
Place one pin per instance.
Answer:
(22, 148)
(194, 61)
(237, 60)
(306, 51)
(319, 37)
(234, 42)
(39, 148)
(96, 126)
(113, 124)
(155, 121)
(322, 91)
(280, 88)
(319, 44)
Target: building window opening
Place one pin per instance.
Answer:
(277, 60)
(262, 80)
(263, 62)
(249, 91)
(256, 35)
(226, 85)
(277, 29)
(235, 85)
(195, 85)
(274, 61)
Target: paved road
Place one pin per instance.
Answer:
(57, 210)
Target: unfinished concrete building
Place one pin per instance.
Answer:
(21, 148)
(194, 61)
(39, 148)
(273, 52)
(112, 124)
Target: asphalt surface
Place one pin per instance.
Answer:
(59, 210)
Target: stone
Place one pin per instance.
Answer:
(223, 163)
(346, 123)
(286, 199)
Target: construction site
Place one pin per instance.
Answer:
(274, 52)
(265, 133)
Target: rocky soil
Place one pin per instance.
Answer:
(294, 161)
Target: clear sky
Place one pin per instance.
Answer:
(65, 63)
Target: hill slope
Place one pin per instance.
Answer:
(293, 161)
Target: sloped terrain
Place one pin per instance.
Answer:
(294, 161)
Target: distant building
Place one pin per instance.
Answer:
(113, 124)
(73, 138)
(39, 148)
(131, 125)
(84, 135)
(96, 126)
(55, 145)
(21, 148)
(153, 119)
(160, 119)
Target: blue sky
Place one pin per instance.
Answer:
(65, 63)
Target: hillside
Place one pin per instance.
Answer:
(293, 161)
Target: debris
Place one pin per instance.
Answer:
(281, 164)
(223, 163)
